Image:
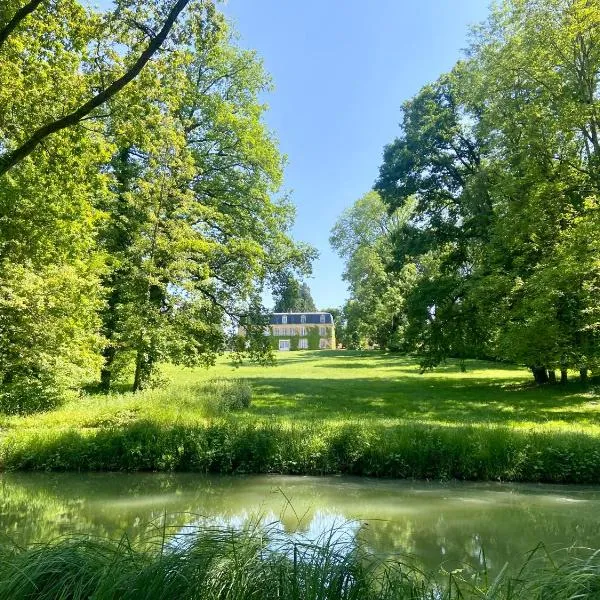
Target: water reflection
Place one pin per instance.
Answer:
(449, 524)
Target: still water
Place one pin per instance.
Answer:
(429, 524)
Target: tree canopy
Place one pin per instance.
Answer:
(146, 228)
(291, 295)
(496, 170)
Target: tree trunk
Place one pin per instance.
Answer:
(143, 370)
(563, 376)
(540, 374)
(583, 375)
(552, 376)
(109, 354)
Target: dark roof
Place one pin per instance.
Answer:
(312, 318)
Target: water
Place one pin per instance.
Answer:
(428, 524)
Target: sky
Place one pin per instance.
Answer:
(341, 70)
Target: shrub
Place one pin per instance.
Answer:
(30, 394)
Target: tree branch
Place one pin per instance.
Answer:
(17, 18)
(10, 159)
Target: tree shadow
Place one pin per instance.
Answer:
(436, 399)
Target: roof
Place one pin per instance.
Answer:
(295, 318)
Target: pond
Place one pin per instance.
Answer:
(430, 524)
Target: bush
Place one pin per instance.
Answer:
(26, 395)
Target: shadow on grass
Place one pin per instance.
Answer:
(468, 400)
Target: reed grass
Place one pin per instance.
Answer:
(218, 563)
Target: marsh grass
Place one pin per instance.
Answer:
(218, 563)
(326, 413)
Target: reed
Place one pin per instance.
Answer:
(219, 563)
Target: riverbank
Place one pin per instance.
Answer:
(366, 414)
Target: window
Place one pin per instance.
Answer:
(302, 330)
(303, 319)
(322, 319)
(284, 345)
(323, 343)
(302, 344)
(284, 319)
(322, 330)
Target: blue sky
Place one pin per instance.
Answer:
(341, 70)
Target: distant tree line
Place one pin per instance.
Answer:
(481, 237)
(137, 219)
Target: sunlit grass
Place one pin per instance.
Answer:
(326, 412)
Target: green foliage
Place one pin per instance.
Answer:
(259, 563)
(312, 336)
(147, 232)
(292, 296)
(226, 395)
(496, 172)
(363, 237)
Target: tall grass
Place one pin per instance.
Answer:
(222, 564)
(228, 445)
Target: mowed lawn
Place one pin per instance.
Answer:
(374, 386)
(339, 386)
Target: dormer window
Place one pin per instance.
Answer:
(284, 319)
(303, 319)
(322, 318)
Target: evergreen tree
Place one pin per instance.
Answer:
(292, 296)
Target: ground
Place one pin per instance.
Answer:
(314, 412)
(340, 385)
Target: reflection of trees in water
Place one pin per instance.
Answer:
(440, 526)
(496, 538)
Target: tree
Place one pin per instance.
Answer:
(192, 228)
(500, 158)
(28, 141)
(540, 68)
(292, 296)
(147, 230)
(363, 237)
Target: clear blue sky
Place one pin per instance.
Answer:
(341, 70)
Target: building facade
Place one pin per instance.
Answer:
(301, 331)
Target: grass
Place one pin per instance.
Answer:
(327, 412)
(212, 563)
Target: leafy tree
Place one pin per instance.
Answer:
(500, 157)
(292, 296)
(144, 230)
(437, 164)
(15, 15)
(363, 236)
(192, 229)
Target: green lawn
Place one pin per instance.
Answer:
(367, 413)
(373, 386)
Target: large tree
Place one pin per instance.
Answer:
(292, 296)
(501, 157)
(24, 23)
(144, 231)
(193, 229)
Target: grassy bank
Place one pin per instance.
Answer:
(326, 412)
(214, 563)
